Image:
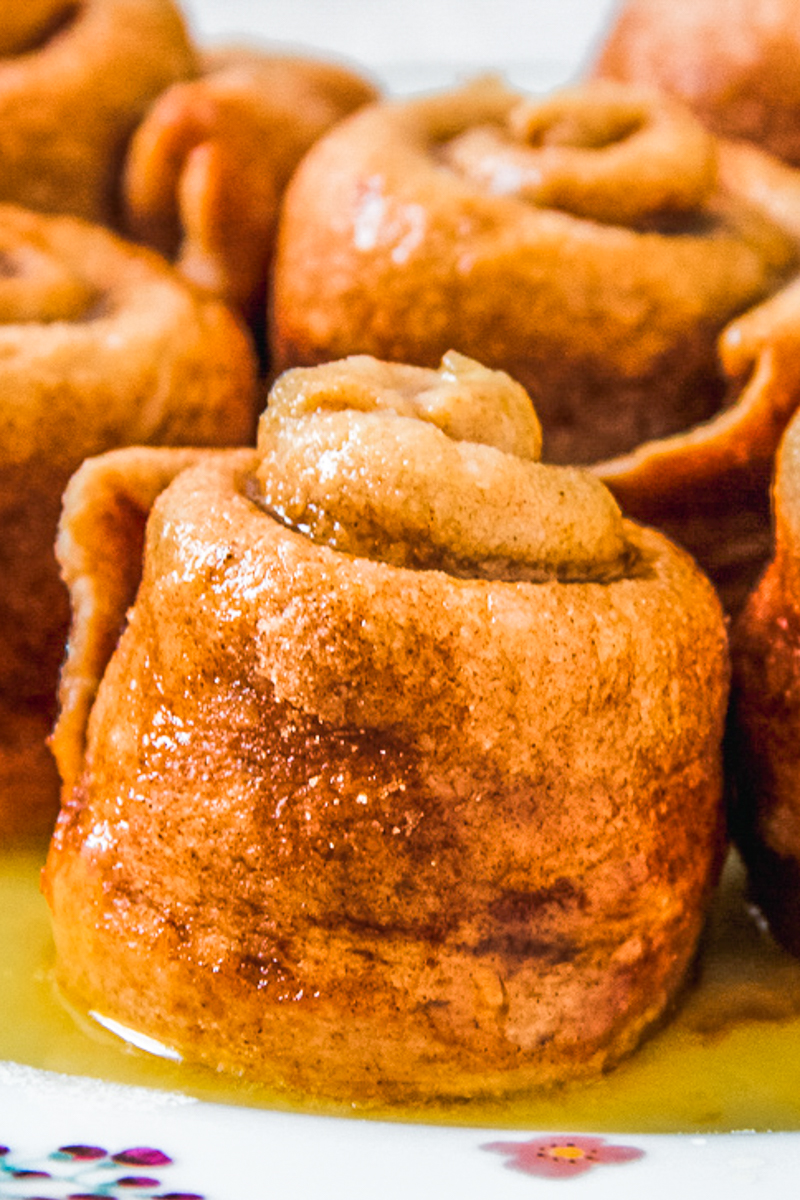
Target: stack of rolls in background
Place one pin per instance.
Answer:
(105, 343)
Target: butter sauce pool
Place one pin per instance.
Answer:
(729, 1059)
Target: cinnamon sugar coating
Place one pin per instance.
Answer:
(372, 831)
(736, 63)
(101, 344)
(766, 714)
(76, 77)
(206, 169)
(601, 247)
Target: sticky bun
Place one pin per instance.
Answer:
(403, 780)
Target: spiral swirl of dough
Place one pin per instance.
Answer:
(608, 153)
(37, 285)
(76, 77)
(431, 468)
(765, 761)
(25, 27)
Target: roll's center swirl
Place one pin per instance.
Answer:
(431, 469)
(36, 285)
(603, 152)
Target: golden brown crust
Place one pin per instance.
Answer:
(75, 80)
(736, 63)
(766, 713)
(383, 833)
(109, 346)
(207, 168)
(99, 547)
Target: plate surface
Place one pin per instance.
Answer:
(163, 1145)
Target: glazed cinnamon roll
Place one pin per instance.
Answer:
(208, 166)
(101, 344)
(403, 780)
(76, 77)
(595, 244)
(766, 714)
(735, 63)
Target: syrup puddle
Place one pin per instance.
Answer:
(729, 1060)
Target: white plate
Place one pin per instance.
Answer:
(215, 1152)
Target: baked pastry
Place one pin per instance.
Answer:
(708, 487)
(101, 344)
(75, 80)
(580, 242)
(208, 166)
(407, 763)
(765, 714)
(735, 63)
(593, 244)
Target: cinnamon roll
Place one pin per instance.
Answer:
(595, 244)
(208, 166)
(765, 714)
(76, 77)
(735, 63)
(403, 780)
(101, 344)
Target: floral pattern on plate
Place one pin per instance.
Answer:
(85, 1172)
(562, 1157)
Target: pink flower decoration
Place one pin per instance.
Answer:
(562, 1157)
(82, 1153)
(142, 1156)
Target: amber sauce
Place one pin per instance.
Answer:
(728, 1060)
